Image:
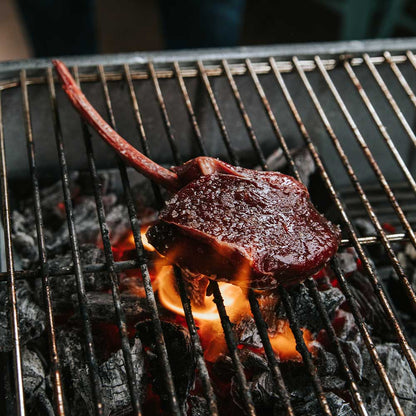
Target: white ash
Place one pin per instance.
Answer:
(31, 317)
(112, 374)
(35, 383)
(307, 314)
(399, 374)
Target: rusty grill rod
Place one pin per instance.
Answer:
(166, 122)
(390, 98)
(196, 343)
(221, 123)
(225, 321)
(367, 152)
(365, 261)
(135, 224)
(82, 298)
(400, 76)
(412, 59)
(380, 125)
(311, 283)
(109, 259)
(191, 113)
(44, 267)
(123, 265)
(13, 314)
(353, 177)
(244, 115)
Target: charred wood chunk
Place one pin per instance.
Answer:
(181, 359)
(63, 287)
(31, 316)
(113, 377)
(247, 332)
(400, 375)
(101, 307)
(306, 311)
(197, 406)
(370, 306)
(35, 384)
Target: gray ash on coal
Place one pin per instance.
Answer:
(85, 215)
(181, 359)
(36, 384)
(306, 311)
(31, 316)
(400, 375)
(112, 375)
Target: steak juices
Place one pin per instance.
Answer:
(225, 222)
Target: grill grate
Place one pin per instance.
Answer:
(297, 69)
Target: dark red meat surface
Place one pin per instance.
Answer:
(256, 229)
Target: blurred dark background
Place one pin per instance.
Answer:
(64, 27)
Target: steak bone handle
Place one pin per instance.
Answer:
(143, 164)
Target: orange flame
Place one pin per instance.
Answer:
(206, 316)
(284, 343)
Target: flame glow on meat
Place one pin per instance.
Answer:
(205, 311)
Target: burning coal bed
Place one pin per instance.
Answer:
(32, 319)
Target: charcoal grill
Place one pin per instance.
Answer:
(351, 104)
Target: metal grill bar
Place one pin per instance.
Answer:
(303, 349)
(218, 115)
(400, 77)
(44, 267)
(395, 262)
(244, 115)
(312, 286)
(11, 282)
(191, 113)
(365, 261)
(82, 298)
(157, 326)
(232, 347)
(338, 203)
(123, 265)
(212, 70)
(109, 258)
(196, 345)
(390, 98)
(380, 125)
(166, 121)
(271, 356)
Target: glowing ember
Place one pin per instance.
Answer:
(284, 343)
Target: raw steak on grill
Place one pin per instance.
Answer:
(254, 229)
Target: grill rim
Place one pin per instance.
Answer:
(372, 46)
